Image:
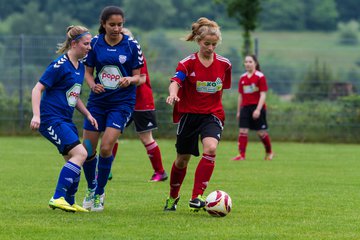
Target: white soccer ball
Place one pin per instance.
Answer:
(218, 203)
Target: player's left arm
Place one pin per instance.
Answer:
(134, 79)
(80, 106)
(256, 113)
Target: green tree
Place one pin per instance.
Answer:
(279, 14)
(246, 13)
(316, 84)
(348, 10)
(321, 14)
(148, 15)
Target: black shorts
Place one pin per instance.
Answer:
(191, 126)
(246, 120)
(144, 121)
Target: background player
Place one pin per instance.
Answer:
(251, 111)
(53, 111)
(196, 89)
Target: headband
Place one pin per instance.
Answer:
(80, 35)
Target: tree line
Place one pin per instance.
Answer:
(52, 16)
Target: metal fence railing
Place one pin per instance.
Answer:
(24, 58)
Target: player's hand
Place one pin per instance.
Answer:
(124, 82)
(35, 122)
(172, 99)
(256, 114)
(238, 116)
(93, 121)
(98, 88)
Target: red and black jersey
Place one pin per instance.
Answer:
(144, 96)
(250, 88)
(201, 87)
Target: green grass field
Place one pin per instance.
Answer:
(309, 191)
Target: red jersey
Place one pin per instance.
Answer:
(144, 96)
(201, 87)
(250, 88)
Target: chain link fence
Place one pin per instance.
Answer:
(23, 59)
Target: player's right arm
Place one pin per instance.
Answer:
(238, 107)
(35, 102)
(173, 92)
(90, 80)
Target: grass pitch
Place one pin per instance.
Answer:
(309, 191)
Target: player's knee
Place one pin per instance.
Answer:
(105, 150)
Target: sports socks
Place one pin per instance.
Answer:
(68, 174)
(104, 167)
(70, 195)
(176, 179)
(203, 174)
(242, 143)
(153, 151)
(89, 167)
(265, 139)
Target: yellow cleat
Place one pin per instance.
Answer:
(79, 208)
(62, 204)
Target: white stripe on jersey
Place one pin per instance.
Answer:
(190, 57)
(223, 59)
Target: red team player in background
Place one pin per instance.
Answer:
(196, 89)
(251, 111)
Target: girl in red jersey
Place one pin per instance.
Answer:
(251, 111)
(196, 89)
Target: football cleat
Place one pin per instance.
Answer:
(110, 176)
(239, 158)
(88, 199)
(197, 204)
(158, 177)
(62, 204)
(269, 156)
(171, 204)
(98, 203)
(79, 208)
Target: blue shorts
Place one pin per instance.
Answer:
(109, 117)
(63, 135)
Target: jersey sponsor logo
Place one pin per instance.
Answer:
(122, 59)
(209, 87)
(250, 88)
(72, 95)
(110, 76)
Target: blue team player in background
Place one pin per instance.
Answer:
(54, 99)
(117, 59)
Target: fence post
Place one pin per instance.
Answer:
(21, 79)
(256, 47)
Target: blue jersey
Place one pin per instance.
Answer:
(62, 83)
(112, 63)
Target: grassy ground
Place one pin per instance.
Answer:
(309, 191)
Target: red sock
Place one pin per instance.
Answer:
(267, 143)
(242, 141)
(153, 151)
(176, 179)
(203, 174)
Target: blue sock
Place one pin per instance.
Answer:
(70, 195)
(104, 167)
(90, 172)
(68, 174)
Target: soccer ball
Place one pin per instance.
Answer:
(218, 203)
